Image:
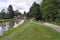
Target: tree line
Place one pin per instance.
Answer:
(48, 10)
(7, 14)
(10, 13)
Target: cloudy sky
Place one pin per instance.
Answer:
(21, 5)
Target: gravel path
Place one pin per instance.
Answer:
(55, 27)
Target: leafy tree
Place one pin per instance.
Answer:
(50, 9)
(25, 13)
(10, 11)
(35, 12)
(28, 15)
(3, 14)
(16, 12)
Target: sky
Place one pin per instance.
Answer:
(21, 5)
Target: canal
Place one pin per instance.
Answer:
(13, 23)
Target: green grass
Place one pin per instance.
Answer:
(14, 29)
(33, 31)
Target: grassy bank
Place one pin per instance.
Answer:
(14, 29)
(33, 31)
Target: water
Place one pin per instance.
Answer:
(1, 31)
(5, 26)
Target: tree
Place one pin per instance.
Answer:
(35, 12)
(16, 12)
(50, 9)
(24, 13)
(3, 14)
(10, 11)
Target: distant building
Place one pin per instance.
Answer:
(21, 16)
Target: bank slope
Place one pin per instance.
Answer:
(33, 31)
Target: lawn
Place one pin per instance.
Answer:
(31, 31)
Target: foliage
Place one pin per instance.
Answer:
(16, 12)
(35, 12)
(24, 13)
(7, 14)
(10, 11)
(2, 14)
(51, 10)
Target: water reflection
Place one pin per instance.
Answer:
(1, 31)
(4, 26)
